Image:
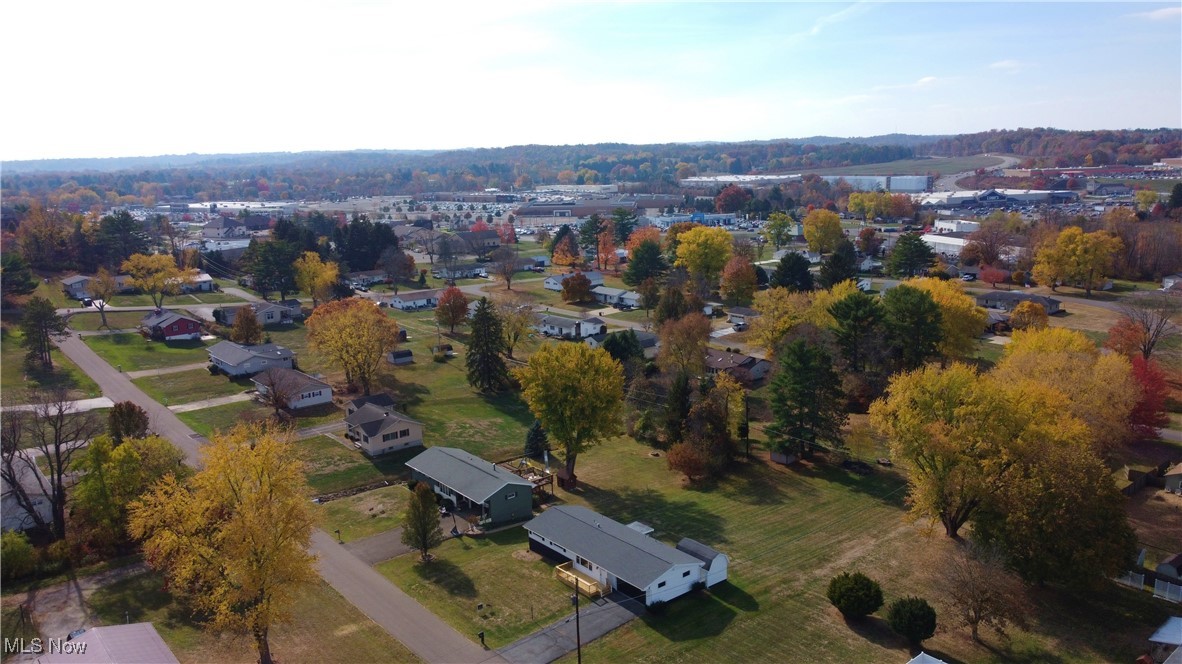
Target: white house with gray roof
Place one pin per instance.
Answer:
(376, 428)
(555, 282)
(569, 328)
(469, 482)
(237, 360)
(624, 558)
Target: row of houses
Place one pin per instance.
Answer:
(78, 286)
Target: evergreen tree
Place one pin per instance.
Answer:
(672, 305)
(859, 326)
(840, 266)
(910, 257)
(677, 407)
(15, 276)
(912, 320)
(806, 398)
(589, 233)
(536, 440)
(793, 273)
(486, 367)
(40, 325)
(623, 223)
(623, 346)
(646, 261)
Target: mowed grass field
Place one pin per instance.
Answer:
(116, 320)
(132, 352)
(18, 381)
(190, 386)
(332, 466)
(366, 513)
(324, 627)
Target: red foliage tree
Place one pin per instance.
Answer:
(480, 225)
(992, 275)
(507, 234)
(452, 308)
(1124, 338)
(1149, 414)
(689, 460)
(731, 199)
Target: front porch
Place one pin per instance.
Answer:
(579, 581)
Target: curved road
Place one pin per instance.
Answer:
(948, 182)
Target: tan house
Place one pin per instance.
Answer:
(376, 428)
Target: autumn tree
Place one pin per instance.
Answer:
(1077, 258)
(822, 230)
(564, 249)
(646, 262)
(354, 335)
(911, 256)
(913, 322)
(779, 311)
(961, 320)
(517, 319)
(485, 366)
(452, 308)
(982, 592)
(277, 388)
(102, 288)
(505, 265)
(1146, 324)
(315, 277)
(869, 241)
(992, 275)
(605, 246)
(704, 251)
(234, 538)
(806, 400)
(1149, 413)
(126, 420)
(397, 264)
(738, 280)
(421, 522)
(1028, 315)
(683, 344)
(778, 229)
(41, 326)
(577, 288)
(988, 244)
(576, 392)
(689, 460)
(157, 275)
(792, 272)
(642, 235)
(732, 198)
(246, 329)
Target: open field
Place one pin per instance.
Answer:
(366, 513)
(941, 165)
(190, 386)
(116, 320)
(331, 466)
(1161, 186)
(132, 352)
(519, 591)
(18, 381)
(208, 420)
(324, 627)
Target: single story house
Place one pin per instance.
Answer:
(744, 368)
(619, 557)
(224, 227)
(1007, 300)
(648, 342)
(1173, 478)
(569, 328)
(554, 282)
(237, 360)
(78, 285)
(1166, 642)
(202, 283)
(266, 313)
(380, 399)
(112, 644)
(465, 271)
(741, 315)
(378, 429)
(366, 277)
(168, 325)
(33, 482)
(400, 357)
(479, 241)
(608, 295)
(469, 482)
(305, 390)
(1171, 567)
(424, 299)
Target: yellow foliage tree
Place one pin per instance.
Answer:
(822, 230)
(823, 300)
(235, 537)
(355, 335)
(576, 392)
(315, 277)
(1028, 316)
(703, 251)
(157, 275)
(1076, 258)
(961, 320)
(779, 311)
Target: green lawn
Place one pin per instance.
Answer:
(519, 591)
(331, 466)
(16, 622)
(295, 337)
(116, 320)
(52, 291)
(1160, 186)
(17, 381)
(133, 352)
(324, 627)
(366, 513)
(205, 298)
(987, 353)
(208, 420)
(189, 386)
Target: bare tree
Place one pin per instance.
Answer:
(517, 318)
(53, 429)
(1154, 318)
(983, 593)
(505, 264)
(103, 288)
(281, 385)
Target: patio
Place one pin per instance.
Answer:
(579, 581)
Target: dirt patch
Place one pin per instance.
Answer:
(1156, 517)
(527, 556)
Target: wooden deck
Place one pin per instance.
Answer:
(579, 581)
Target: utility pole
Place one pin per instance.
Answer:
(746, 423)
(574, 598)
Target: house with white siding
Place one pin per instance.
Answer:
(303, 389)
(424, 299)
(376, 428)
(238, 360)
(603, 555)
(34, 484)
(569, 328)
(555, 282)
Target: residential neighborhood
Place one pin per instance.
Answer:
(564, 382)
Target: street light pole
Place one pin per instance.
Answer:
(574, 598)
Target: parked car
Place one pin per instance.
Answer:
(968, 277)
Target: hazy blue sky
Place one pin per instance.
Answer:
(91, 79)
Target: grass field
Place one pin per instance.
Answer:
(518, 590)
(366, 513)
(943, 166)
(324, 627)
(18, 381)
(190, 386)
(131, 352)
(208, 420)
(331, 466)
(116, 320)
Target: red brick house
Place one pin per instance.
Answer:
(166, 325)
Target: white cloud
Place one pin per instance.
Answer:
(925, 82)
(1163, 14)
(1008, 65)
(831, 19)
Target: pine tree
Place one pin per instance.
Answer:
(536, 440)
(792, 272)
(41, 325)
(486, 367)
(806, 398)
(841, 265)
(677, 408)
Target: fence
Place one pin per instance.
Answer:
(1132, 579)
(1171, 592)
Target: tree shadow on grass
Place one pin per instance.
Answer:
(510, 404)
(884, 485)
(877, 631)
(133, 599)
(678, 518)
(734, 596)
(755, 483)
(447, 576)
(405, 394)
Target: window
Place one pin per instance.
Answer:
(511, 495)
(584, 562)
(405, 433)
(685, 574)
(175, 328)
(661, 584)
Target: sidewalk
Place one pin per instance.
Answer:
(79, 406)
(210, 403)
(144, 373)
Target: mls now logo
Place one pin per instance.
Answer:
(38, 646)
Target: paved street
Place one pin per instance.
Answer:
(79, 406)
(596, 618)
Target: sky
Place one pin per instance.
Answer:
(122, 78)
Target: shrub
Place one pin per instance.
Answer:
(855, 595)
(657, 608)
(19, 556)
(439, 357)
(912, 618)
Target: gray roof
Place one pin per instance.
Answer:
(637, 559)
(297, 379)
(465, 473)
(647, 339)
(698, 550)
(235, 354)
(744, 311)
(557, 321)
(162, 318)
(137, 643)
(373, 419)
(608, 290)
(384, 400)
(76, 279)
(1014, 296)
